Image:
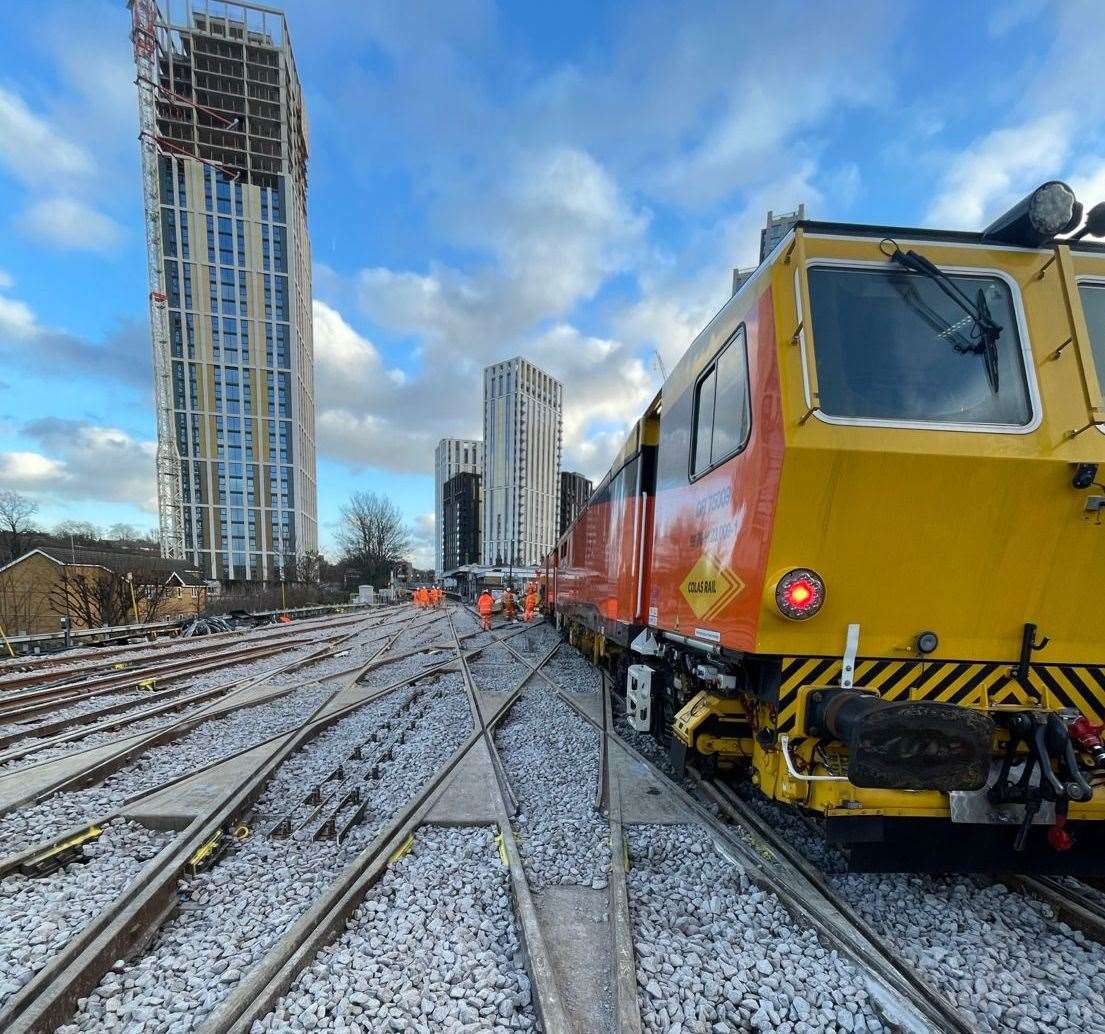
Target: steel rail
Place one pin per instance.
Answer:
(262, 988)
(20, 859)
(131, 920)
(627, 1005)
(139, 743)
(60, 672)
(175, 699)
(72, 729)
(1084, 911)
(23, 705)
(915, 1005)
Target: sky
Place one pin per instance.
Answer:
(570, 182)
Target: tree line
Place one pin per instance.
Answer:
(371, 535)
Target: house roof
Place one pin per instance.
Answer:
(138, 563)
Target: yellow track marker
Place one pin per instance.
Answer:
(402, 850)
(204, 855)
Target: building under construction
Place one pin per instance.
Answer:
(224, 147)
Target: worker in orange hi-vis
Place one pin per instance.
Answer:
(486, 605)
(531, 605)
(510, 606)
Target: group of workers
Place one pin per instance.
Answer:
(424, 597)
(486, 604)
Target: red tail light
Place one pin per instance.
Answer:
(799, 594)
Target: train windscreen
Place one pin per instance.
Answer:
(892, 345)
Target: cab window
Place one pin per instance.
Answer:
(722, 413)
(1093, 305)
(890, 345)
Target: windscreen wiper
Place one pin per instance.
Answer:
(984, 336)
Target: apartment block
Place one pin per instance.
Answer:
(225, 135)
(522, 429)
(575, 490)
(451, 457)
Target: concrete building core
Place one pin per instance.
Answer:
(230, 146)
(451, 457)
(522, 426)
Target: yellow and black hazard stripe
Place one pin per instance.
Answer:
(967, 683)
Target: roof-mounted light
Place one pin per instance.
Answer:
(1049, 210)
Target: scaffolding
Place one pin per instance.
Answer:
(170, 505)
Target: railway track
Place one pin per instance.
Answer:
(73, 763)
(326, 735)
(104, 782)
(22, 706)
(70, 665)
(371, 888)
(50, 739)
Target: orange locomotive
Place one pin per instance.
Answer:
(849, 548)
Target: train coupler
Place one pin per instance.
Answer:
(904, 745)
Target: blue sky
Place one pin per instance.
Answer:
(571, 182)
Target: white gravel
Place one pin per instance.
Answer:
(39, 916)
(495, 670)
(716, 953)
(353, 654)
(572, 672)
(232, 915)
(71, 662)
(551, 757)
(1003, 958)
(205, 745)
(432, 947)
(537, 639)
(391, 672)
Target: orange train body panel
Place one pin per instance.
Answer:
(726, 515)
(603, 561)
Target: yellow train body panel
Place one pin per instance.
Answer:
(984, 528)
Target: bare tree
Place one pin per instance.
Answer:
(16, 516)
(308, 568)
(100, 598)
(84, 532)
(372, 536)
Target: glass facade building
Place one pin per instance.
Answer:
(237, 273)
(522, 426)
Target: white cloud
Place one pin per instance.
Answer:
(16, 319)
(604, 384)
(996, 170)
(423, 541)
(83, 462)
(30, 470)
(32, 149)
(69, 223)
(554, 229)
(6, 280)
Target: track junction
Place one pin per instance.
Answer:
(392, 821)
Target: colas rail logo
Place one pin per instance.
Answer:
(710, 587)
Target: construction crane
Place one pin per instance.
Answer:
(170, 504)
